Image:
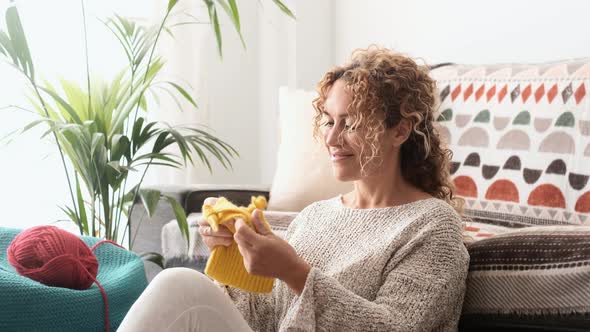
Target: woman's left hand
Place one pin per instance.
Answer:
(267, 255)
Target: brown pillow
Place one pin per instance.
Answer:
(533, 273)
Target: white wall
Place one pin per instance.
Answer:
(465, 31)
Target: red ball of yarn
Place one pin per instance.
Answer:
(53, 257)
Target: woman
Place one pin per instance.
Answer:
(387, 256)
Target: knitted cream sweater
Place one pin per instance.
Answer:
(399, 268)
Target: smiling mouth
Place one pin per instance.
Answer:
(336, 157)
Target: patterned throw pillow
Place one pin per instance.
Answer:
(536, 276)
(520, 135)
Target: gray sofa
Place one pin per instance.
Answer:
(148, 234)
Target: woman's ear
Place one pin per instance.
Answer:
(401, 132)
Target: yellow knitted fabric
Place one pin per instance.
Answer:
(226, 264)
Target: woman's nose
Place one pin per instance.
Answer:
(332, 137)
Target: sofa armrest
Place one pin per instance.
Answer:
(146, 231)
(238, 194)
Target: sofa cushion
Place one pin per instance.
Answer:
(520, 136)
(536, 273)
(304, 170)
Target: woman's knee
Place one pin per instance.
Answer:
(183, 281)
(177, 275)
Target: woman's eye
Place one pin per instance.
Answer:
(349, 127)
(328, 124)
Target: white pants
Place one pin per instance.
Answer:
(181, 299)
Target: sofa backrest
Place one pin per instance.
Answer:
(520, 136)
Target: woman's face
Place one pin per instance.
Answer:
(338, 136)
(345, 143)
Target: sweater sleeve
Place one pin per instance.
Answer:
(422, 290)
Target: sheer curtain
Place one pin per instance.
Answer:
(225, 88)
(238, 94)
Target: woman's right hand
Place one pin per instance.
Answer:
(212, 239)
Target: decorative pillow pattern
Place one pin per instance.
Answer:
(520, 135)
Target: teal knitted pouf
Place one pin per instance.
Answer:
(27, 305)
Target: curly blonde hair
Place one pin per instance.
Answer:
(387, 87)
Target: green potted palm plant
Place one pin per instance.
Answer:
(100, 130)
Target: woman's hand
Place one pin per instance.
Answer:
(266, 254)
(223, 237)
